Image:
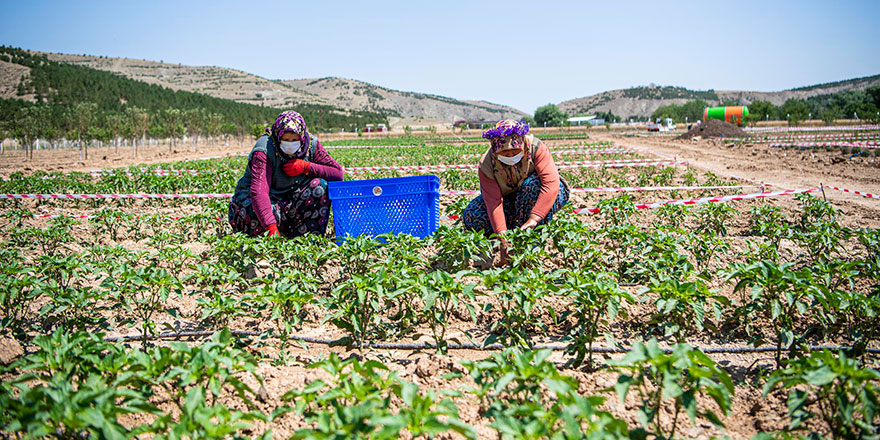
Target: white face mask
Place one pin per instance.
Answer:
(290, 148)
(510, 161)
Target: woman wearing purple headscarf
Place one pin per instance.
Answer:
(520, 185)
(284, 188)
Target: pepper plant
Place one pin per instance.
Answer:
(597, 301)
(778, 292)
(673, 381)
(683, 304)
(142, 292)
(441, 293)
(526, 397)
(518, 293)
(365, 400)
(833, 391)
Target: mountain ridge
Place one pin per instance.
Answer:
(641, 101)
(241, 86)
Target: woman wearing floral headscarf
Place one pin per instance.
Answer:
(284, 188)
(520, 186)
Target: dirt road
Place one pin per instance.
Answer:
(783, 169)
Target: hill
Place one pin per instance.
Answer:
(358, 95)
(39, 81)
(642, 101)
(221, 82)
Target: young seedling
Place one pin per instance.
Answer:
(835, 391)
(597, 300)
(678, 378)
(526, 397)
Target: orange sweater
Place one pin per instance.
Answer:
(547, 173)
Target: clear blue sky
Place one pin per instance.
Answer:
(523, 54)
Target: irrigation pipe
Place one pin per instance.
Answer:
(466, 346)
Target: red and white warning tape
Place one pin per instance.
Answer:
(156, 171)
(456, 192)
(831, 144)
(704, 200)
(359, 147)
(571, 152)
(561, 164)
(861, 193)
(115, 196)
(626, 189)
(659, 188)
(86, 217)
(812, 129)
(686, 202)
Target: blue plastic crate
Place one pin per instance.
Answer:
(400, 205)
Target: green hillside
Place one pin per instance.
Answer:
(668, 92)
(59, 86)
(847, 82)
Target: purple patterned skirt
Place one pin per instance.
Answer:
(303, 210)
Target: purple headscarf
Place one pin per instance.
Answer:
(294, 122)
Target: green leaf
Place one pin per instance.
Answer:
(195, 398)
(690, 405)
(820, 377)
(622, 386)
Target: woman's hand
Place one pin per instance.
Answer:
(531, 222)
(296, 167)
(273, 230)
(503, 253)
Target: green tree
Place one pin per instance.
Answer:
(172, 119)
(873, 94)
(228, 129)
(257, 130)
(761, 111)
(549, 115)
(688, 112)
(31, 124)
(672, 111)
(81, 118)
(115, 124)
(194, 119)
(828, 116)
(213, 124)
(137, 123)
(608, 116)
(795, 111)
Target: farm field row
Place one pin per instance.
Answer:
(664, 287)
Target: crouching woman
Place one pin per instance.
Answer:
(284, 188)
(520, 185)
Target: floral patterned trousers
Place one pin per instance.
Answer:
(517, 206)
(304, 210)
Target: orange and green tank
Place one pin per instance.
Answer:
(734, 115)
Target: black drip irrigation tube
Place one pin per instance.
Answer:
(466, 346)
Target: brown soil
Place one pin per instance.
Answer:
(68, 159)
(779, 169)
(10, 350)
(713, 129)
(751, 412)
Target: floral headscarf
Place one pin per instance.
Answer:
(508, 135)
(294, 122)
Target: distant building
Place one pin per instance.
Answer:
(580, 120)
(474, 124)
(378, 128)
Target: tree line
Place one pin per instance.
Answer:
(851, 104)
(552, 116)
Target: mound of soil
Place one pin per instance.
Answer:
(714, 128)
